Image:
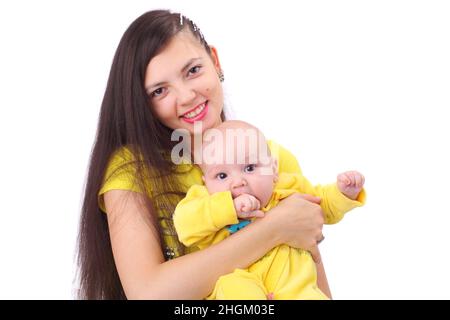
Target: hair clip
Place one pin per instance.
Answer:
(201, 34)
(181, 19)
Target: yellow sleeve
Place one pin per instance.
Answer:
(119, 174)
(334, 204)
(200, 218)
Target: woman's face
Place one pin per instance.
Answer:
(183, 84)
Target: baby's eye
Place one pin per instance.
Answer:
(157, 92)
(250, 168)
(221, 176)
(194, 70)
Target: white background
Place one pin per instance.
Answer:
(343, 84)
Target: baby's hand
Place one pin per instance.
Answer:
(247, 206)
(350, 183)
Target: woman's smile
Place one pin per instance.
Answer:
(196, 114)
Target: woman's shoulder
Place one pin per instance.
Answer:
(122, 160)
(120, 173)
(122, 154)
(287, 162)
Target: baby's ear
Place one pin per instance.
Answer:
(275, 178)
(275, 165)
(275, 169)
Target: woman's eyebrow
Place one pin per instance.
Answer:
(189, 63)
(182, 71)
(154, 86)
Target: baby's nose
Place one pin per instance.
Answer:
(238, 187)
(239, 182)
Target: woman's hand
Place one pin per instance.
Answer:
(297, 221)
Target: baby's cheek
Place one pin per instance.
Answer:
(214, 186)
(263, 189)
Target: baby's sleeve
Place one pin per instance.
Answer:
(200, 218)
(334, 204)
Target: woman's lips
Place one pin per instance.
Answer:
(191, 117)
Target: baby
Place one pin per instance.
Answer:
(241, 184)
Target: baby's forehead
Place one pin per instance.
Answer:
(234, 142)
(227, 153)
(239, 141)
(217, 167)
(224, 160)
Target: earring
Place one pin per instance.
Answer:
(221, 76)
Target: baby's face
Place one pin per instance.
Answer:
(250, 171)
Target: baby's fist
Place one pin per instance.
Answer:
(350, 183)
(247, 206)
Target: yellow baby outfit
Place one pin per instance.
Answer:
(202, 219)
(120, 174)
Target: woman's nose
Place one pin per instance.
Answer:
(185, 96)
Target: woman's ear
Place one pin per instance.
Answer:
(215, 58)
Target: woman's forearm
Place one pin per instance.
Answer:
(322, 281)
(194, 275)
(294, 221)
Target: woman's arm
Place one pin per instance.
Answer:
(322, 281)
(144, 273)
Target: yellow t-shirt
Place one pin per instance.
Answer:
(120, 175)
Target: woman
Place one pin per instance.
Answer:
(164, 77)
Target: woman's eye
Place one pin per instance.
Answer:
(221, 176)
(194, 70)
(250, 168)
(157, 92)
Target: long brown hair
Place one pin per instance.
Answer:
(126, 119)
